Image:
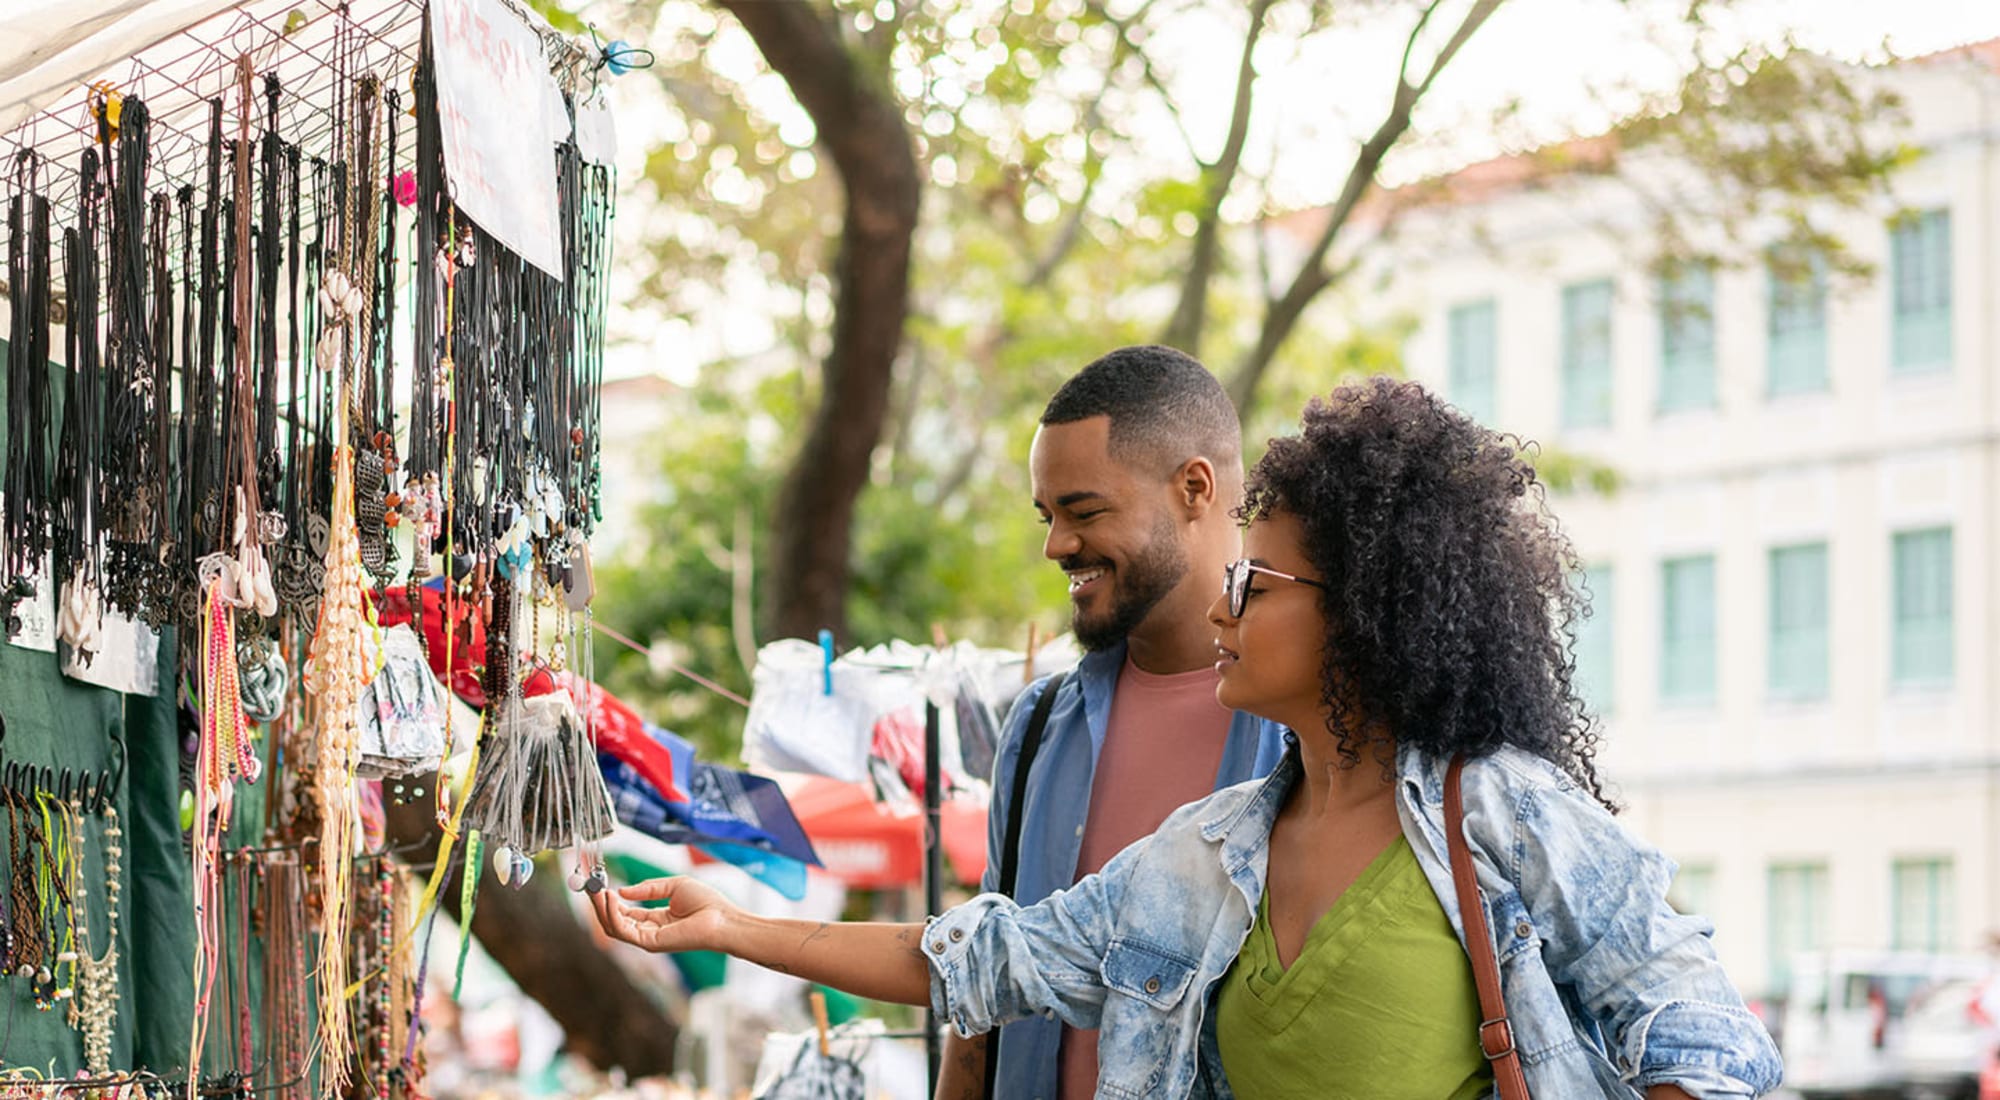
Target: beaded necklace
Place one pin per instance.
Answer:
(94, 1010)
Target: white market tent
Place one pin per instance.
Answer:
(177, 55)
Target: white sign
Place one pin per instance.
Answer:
(499, 145)
(596, 136)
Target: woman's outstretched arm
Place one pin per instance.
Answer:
(884, 962)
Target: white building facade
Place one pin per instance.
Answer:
(1796, 642)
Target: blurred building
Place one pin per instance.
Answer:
(1796, 643)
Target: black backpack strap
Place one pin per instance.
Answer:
(1031, 743)
(1010, 853)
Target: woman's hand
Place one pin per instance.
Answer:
(883, 962)
(695, 918)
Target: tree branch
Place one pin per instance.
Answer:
(1190, 315)
(1151, 74)
(1283, 315)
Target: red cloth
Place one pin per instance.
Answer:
(622, 733)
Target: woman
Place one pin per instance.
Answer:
(1406, 598)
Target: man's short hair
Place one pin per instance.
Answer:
(1165, 408)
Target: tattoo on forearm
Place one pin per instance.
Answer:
(820, 931)
(912, 941)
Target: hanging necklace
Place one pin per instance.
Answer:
(94, 1010)
(80, 613)
(30, 432)
(25, 935)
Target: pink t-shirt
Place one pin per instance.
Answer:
(1162, 745)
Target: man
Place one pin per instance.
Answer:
(1136, 467)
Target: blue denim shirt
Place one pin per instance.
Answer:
(1056, 806)
(1610, 991)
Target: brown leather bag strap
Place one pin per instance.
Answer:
(1496, 1034)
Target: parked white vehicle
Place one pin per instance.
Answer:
(1892, 1024)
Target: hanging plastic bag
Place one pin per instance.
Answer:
(795, 725)
(810, 1075)
(401, 711)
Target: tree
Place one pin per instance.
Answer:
(862, 131)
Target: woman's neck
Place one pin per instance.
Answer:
(1334, 784)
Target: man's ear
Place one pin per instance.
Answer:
(1196, 488)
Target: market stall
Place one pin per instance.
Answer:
(303, 308)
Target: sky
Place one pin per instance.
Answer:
(1574, 66)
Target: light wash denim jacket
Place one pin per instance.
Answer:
(1610, 991)
(1056, 806)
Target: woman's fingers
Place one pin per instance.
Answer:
(653, 889)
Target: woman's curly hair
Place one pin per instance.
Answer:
(1450, 602)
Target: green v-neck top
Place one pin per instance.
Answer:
(1380, 1003)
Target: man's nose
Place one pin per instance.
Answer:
(1061, 542)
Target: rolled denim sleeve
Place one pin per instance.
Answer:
(1646, 974)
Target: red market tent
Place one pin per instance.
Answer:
(866, 846)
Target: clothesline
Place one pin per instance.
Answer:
(682, 669)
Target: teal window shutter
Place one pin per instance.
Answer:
(1922, 619)
(1796, 326)
(1474, 355)
(1687, 650)
(1594, 652)
(1687, 339)
(1920, 287)
(1921, 904)
(1798, 916)
(1798, 652)
(1586, 354)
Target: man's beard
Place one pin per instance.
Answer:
(1137, 589)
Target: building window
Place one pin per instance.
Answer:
(1687, 338)
(1798, 659)
(1474, 353)
(1594, 653)
(1920, 282)
(1922, 615)
(1798, 916)
(1796, 323)
(1693, 890)
(1687, 644)
(1921, 893)
(1586, 354)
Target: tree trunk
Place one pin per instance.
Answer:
(862, 130)
(552, 956)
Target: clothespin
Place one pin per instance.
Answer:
(1028, 665)
(826, 651)
(819, 1022)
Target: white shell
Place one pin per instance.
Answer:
(266, 594)
(503, 864)
(356, 301)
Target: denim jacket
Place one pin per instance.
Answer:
(1609, 990)
(1056, 806)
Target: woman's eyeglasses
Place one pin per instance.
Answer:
(1236, 583)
